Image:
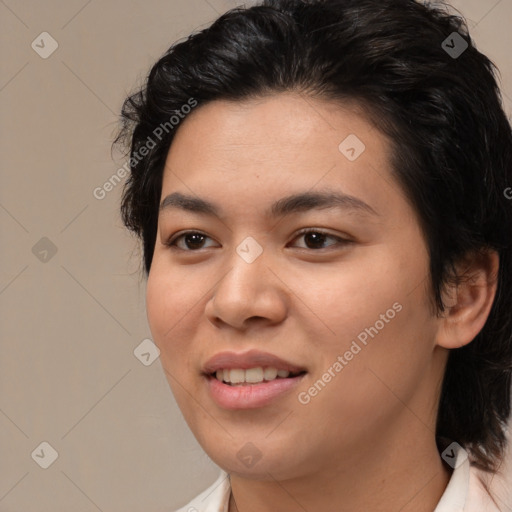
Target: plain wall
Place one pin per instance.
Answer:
(71, 319)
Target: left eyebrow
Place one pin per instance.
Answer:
(295, 203)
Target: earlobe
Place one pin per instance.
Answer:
(468, 301)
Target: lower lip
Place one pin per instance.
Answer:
(249, 396)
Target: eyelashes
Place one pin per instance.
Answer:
(172, 242)
(312, 236)
(323, 235)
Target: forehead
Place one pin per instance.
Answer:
(270, 147)
(284, 120)
(284, 127)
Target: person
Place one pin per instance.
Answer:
(319, 187)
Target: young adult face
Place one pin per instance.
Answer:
(305, 299)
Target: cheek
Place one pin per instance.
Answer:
(374, 379)
(170, 306)
(169, 302)
(383, 331)
(157, 305)
(345, 302)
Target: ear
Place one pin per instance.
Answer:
(468, 302)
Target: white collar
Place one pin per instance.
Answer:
(455, 494)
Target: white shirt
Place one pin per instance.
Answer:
(464, 492)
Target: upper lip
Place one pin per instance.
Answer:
(246, 360)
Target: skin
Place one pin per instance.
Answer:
(367, 440)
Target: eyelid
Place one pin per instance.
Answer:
(170, 242)
(340, 239)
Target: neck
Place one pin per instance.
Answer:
(408, 476)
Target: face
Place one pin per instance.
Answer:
(237, 286)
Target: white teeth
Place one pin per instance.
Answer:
(236, 376)
(251, 375)
(270, 373)
(254, 375)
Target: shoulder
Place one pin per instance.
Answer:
(213, 499)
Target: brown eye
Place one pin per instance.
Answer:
(316, 238)
(192, 240)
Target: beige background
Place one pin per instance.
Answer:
(70, 324)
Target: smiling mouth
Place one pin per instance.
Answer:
(250, 376)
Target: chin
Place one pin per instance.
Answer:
(253, 463)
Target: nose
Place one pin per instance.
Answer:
(248, 294)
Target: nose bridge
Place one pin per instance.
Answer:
(248, 289)
(250, 250)
(249, 274)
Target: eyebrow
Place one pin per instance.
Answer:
(295, 203)
(319, 200)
